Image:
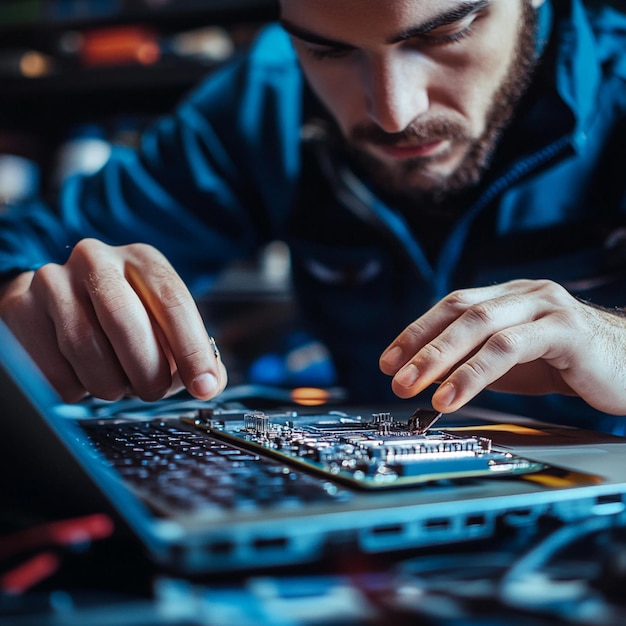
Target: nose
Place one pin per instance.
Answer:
(397, 92)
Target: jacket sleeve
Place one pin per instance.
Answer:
(208, 184)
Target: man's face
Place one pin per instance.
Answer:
(420, 89)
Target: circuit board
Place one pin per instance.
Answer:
(369, 451)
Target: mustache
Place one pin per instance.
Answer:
(424, 132)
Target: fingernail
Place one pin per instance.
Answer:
(395, 357)
(408, 375)
(204, 385)
(446, 394)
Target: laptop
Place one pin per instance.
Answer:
(238, 484)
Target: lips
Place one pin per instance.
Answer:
(412, 151)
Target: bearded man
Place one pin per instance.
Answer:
(448, 176)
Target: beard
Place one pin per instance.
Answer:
(400, 181)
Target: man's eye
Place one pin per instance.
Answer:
(451, 33)
(451, 37)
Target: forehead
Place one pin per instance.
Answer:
(376, 19)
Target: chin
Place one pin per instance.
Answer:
(426, 178)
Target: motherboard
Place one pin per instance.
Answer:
(371, 451)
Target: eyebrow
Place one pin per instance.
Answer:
(445, 18)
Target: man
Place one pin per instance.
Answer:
(433, 146)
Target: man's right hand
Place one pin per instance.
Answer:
(111, 322)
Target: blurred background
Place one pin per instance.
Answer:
(77, 76)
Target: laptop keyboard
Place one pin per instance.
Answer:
(176, 468)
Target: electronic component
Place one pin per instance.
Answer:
(422, 420)
(372, 452)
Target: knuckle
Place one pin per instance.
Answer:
(550, 291)
(524, 283)
(86, 250)
(141, 250)
(481, 313)
(175, 300)
(46, 276)
(474, 370)
(415, 330)
(434, 352)
(544, 284)
(77, 340)
(498, 353)
(100, 278)
(86, 244)
(456, 300)
(142, 256)
(115, 303)
(504, 343)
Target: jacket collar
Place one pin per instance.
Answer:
(578, 73)
(561, 100)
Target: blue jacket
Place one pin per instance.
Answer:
(231, 170)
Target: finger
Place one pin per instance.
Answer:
(122, 316)
(439, 317)
(463, 337)
(39, 340)
(29, 322)
(504, 350)
(79, 339)
(518, 303)
(177, 315)
(177, 384)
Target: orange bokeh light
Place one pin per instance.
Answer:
(310, 396)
